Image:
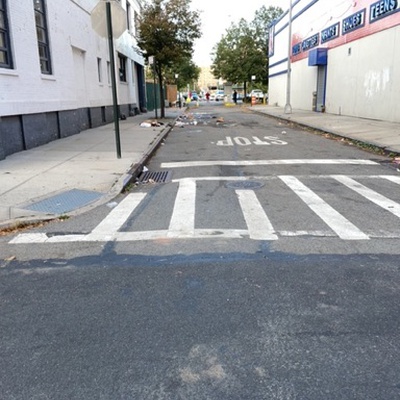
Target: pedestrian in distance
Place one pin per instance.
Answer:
(234, 96)
(208, 96)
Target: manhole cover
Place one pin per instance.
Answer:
(155, 177)
(249, 185)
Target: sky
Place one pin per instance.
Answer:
(216, 17)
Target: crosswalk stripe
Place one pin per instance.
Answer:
(258, 224)
(185, 164)
(370, 194)
(395, 179)
(182, 220)
(339, 224)
(117, 217)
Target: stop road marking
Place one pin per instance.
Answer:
(243, 141)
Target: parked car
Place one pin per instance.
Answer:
(257, 93)
(219, 95)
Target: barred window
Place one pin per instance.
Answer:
(5, 45)
(128, 16)
(122, 67)
(42, 36)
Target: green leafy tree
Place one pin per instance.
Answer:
(187, 72)
(261, 23)
(242, 52)
(167, 31)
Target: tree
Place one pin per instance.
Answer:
(262, 21)
(187, 72)
(167, 31)
(243, 51)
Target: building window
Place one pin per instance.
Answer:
(122, 67)
(128, 16)
(108, 72)
(99, 70)
(42, 36)
(136, 22)
(5, 45)
(133, 71)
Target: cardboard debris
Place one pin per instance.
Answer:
(151, 122)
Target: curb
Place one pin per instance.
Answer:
(117, 188)
(386, 150)
(136, 169)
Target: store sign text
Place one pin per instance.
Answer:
(382, 8)
(310, 42)
(353, 22)
(330, 33)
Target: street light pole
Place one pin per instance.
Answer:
(113, 80)
(288, 107)
(177, 88)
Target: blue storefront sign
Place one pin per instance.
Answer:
(310, 42)
(382, 9)
(296, 49)
(330, 33)
(353, 22)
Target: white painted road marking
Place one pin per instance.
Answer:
(243, 141)
(339, 224)
(370, 194)
(182, 221)
(395, 179)
(116, 218)
(185, 164)
(259, 226)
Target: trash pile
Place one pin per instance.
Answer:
(196, 118)
(151, 123)
(185, 119)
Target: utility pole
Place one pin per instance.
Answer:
(153, 63)
(113, 80)
(288, 107)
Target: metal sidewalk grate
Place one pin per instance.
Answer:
(65, 202)
(155, 177)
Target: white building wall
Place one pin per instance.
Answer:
(370, 85)
(303, 84)
(363, 83)
(74, 45)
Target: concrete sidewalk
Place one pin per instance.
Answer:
(73, 174)
(382, 134)
(80, 172)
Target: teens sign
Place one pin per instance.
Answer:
(382, 8)
(377, 11)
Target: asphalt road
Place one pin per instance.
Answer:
(243, 276)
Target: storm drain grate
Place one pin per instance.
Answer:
(65, 202)
(155, 177)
